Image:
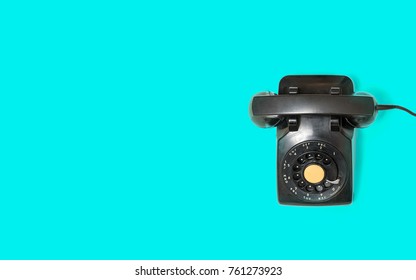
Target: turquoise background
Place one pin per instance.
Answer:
(125, 131)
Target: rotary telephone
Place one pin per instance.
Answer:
(315, 117)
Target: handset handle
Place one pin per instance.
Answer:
(314, 104)
(359, 110)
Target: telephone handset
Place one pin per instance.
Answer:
(315, 117)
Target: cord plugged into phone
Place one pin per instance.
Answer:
(315, 117)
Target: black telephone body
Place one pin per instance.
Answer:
(315, 117)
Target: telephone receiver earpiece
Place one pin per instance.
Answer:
(264, 121)
(269, 110)
(360, 121)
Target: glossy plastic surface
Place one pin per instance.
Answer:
(318, 113)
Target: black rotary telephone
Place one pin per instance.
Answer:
(315, 117)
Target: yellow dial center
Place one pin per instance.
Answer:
(314, 173)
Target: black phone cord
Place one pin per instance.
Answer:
(389, 107)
